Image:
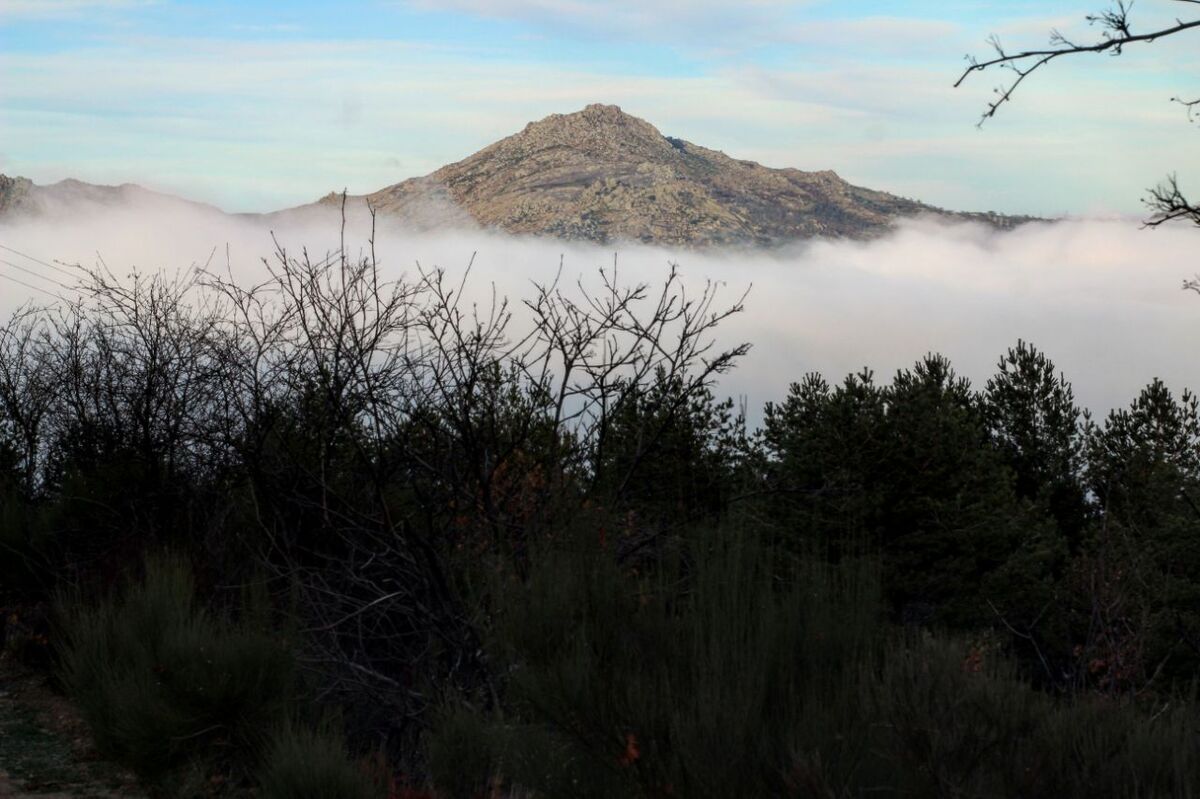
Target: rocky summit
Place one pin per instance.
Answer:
(603, 175)
(597, 175)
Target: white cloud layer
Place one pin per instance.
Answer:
(1101, 297)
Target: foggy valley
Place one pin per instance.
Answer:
(1102, 297)
(599, 399)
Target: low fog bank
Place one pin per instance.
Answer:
(1101, 297)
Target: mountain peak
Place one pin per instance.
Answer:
(602, 175)
(597, 174)
(602, 111)
(596, 114)
(606, 108)
(603, 132)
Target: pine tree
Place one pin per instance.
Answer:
(1035, 425)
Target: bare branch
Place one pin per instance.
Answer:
(1116, 34)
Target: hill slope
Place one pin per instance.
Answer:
(603, 175)
(597, 175)
(21, 196)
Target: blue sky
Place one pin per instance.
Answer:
(260, 105)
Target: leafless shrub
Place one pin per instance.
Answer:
(337, 435)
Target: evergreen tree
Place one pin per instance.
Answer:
(951, 516)
(824, 447)
(910, 471)
(1035, 425)
(1144, 459)
(1144, 471)
(670, 452)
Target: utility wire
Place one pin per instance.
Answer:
(39, 261)
(31, 286)
(38, 275)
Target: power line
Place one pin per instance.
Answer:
(38, 275)
(38, 261)
(31, 286)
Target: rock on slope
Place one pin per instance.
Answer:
(14, 194)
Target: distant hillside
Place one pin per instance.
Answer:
(22, 196)
(603, 175)
(597, 175)
(14, 194)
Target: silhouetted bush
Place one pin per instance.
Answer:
(161, 681)
(702, 675)
(728, 669)
(306, 763)
(460, 753)
(956, 720)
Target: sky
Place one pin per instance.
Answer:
(255, 106)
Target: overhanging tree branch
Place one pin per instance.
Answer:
(1116, 32)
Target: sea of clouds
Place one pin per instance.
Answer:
(1102, 297)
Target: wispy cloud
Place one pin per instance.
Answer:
(273, 104)
(700, 21)
(50, 9)
(873, 34)
(258, 124)
(274, 27)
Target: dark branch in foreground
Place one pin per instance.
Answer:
(1169, 203)
(1116, 32)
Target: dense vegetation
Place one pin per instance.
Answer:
(330, 536)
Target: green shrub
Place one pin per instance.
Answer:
(461, 753)
(702, 677)
(161, 680)
(955, 726)
(1096, 747)
(724, 669)
(306, 763)
(27, 551)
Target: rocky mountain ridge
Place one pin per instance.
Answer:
(21, 196)
(598, 175)
(603, 175)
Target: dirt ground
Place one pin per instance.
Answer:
(45, 750)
